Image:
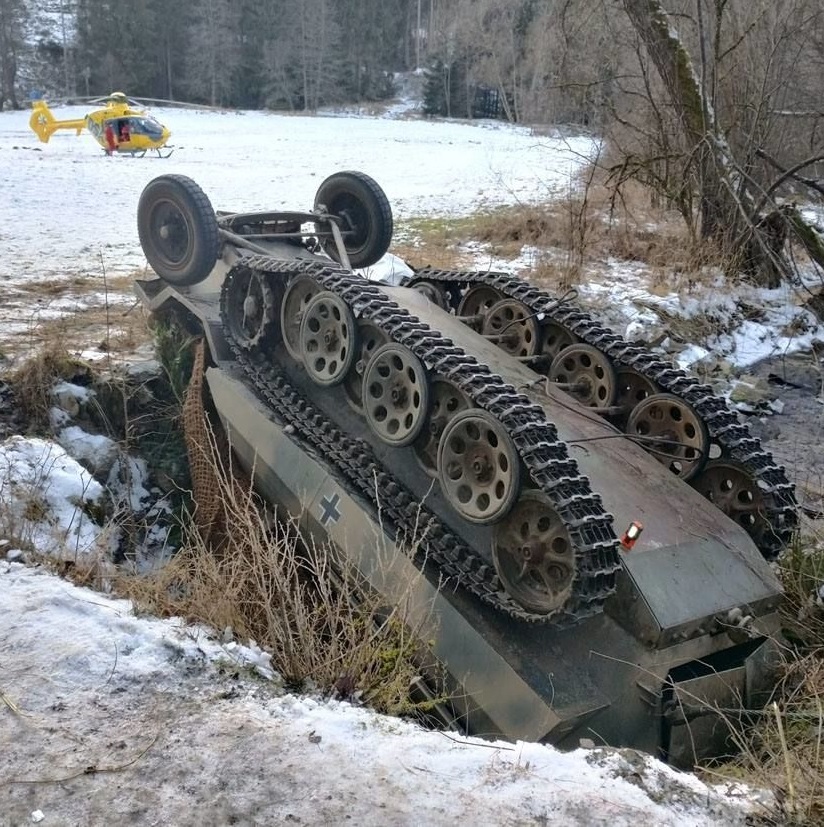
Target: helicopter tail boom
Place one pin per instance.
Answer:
(44, 124)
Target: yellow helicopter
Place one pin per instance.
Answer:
(119, 127)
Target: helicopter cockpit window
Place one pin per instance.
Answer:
(147, 126)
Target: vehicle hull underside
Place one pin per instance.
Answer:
(632, 675)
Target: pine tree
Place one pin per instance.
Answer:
(435, 89)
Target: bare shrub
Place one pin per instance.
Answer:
(301, 601)
(34, 380)
(783, 749)
(802, 573)
(596, 220)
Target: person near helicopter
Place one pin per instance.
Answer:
(111, 141)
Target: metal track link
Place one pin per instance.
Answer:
(725, 430)
(551, 469)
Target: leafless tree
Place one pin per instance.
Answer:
(709, 117)
(214, 51)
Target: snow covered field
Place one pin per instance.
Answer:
(72, 210)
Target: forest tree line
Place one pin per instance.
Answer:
(548, 60)
(292, 54)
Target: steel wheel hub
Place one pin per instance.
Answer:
(395, 394)
(478, 300)
(673, 431)
(633, 387)
(171, 232)
(511, 325)
(478, 467)
(554, 338)
(327, 335)
(586, 374)
(534, 555)
(735, 491)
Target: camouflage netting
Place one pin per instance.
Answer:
(210, 461)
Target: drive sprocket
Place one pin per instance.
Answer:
(250, 310)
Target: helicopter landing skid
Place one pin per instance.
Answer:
(140, 153)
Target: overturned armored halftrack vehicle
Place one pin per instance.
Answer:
(593, 525)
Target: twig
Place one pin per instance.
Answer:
(475, 744)
(114, 665)
(786, 751)
(11, 704)
(90, 770)
(787, 173)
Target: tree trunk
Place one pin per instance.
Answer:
(752, 242)
(11, 38)
(809, 237)
(720, 207)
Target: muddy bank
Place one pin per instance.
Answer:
(795, 437)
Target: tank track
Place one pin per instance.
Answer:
(590, 527)
(733, 437)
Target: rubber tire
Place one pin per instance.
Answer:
(201, 223)
(356, 192)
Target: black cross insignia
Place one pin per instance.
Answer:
(329, 507)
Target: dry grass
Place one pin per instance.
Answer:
(302, 602)
(82, 312)
(35, 378)
(588, 225)
(434, 243)
(76, 286)
(114, 329)
(784, 750)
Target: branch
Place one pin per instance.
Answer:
(785, 113)
(788, 173)
(92, 769)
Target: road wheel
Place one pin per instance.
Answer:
(673, 432)
(534, 555)
(585, 373)
(478, 467)
(328, 338)
(477, 300)
(510, 324)
(395, 394)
